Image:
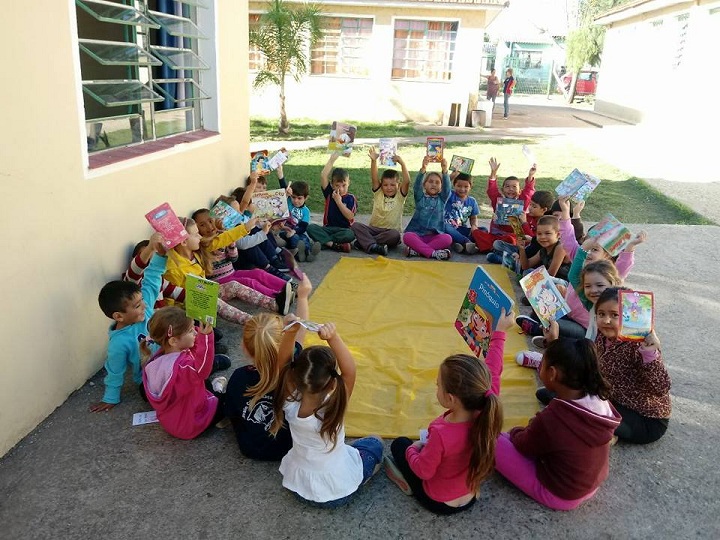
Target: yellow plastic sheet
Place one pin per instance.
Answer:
(397, 319)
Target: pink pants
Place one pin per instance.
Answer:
(234, 290)
(426, 244)
(521, 472)
(259, 280)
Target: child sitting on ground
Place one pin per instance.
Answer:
(175, 376)
(340, 209)
(561, 458)
(313, 395)
(445, 473)
(461, 214)
(141, 255)
(510, 190)
(424, 234)
(294, 231)
(551, 254)
(249, 398)
(383, 232)
(129, 305)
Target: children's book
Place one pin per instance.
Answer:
(507, 207)
(512, 262)
(342, 137)
(610, 234)
(270, 204)
(462, 164)
(142, 418)
(164, 220)
(388, 149)
(480, 311)
(637, 315)
(578, 186)
(529, 155)
(309, 325)
(516, 224)
(259, 161)
(280, 157)
(435, 146)
(201, 299)
(227, 214)
(544, 296)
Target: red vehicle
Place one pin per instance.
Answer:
(586, 82)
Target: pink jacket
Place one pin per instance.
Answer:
(175, 387)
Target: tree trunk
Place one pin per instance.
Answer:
(571, 91)
(284, 126)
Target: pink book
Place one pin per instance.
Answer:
(164, 221)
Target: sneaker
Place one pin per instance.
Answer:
(219, 384)
(314, 250)
(279, 264)
(221, 348)
(395, 476)
(529, 359)
(471, 248)
(221, 362)
(284, 298)
(458, 247)
(301, 251)
(494, 258)
(409, 252)
(354, 244)
(528, 325)
(288, 258)
(539, 342)
(544, 395)
(270, 269)
(441, 254)
(343, 247)
(380, 249)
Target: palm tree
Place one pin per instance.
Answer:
(284, 37)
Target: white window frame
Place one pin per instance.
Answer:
(365, 59)
(450, 62)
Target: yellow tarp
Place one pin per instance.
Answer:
(397, 319)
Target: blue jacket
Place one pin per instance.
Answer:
(429, 211)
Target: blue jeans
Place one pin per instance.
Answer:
(292, 241)
(371, 454)
(461, 235)
(506, 104)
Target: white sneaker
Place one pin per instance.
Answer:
(441, 254)
(219, 384)
(529, 359)
(471, 248)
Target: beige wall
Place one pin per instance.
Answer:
(378, 97)
(67, 232)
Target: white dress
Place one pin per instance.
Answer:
(313, 468)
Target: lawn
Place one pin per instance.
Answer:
(631, 200)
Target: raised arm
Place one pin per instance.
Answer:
(405, 185)
(494, 358)
(373, 155)
(296, 333)
(446, 183)
(492, 188)
(249, 190)
(327, 169)
(345, 361)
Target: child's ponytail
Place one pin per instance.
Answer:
(261, 338)
(165, 323)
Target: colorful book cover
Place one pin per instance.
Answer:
(227, 214)
(388, 149)
(507, 207)
(201, 299)
(259, 161)
(480, 311)
(516, 224)
(578, 186)
(342, 137)
(511, 261)
(637, 315)
(270, 204)
(544, 296)
(309, 325)
(462, 164)
(164, 220)
(435, 146)
(280, 157)
(610, 234)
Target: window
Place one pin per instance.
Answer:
(141, 72)
(257, 60)
(423, 50)
(343, 49)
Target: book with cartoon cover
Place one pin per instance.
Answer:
(516, 224)
(227, 215)
(342, 137)
(610, 234)
(201, 299)
(637, 315)
(480, 311)
(270, 204)
(511, 261)
(577, 185)
(259, 161)
(280, 157)
(462, 164)
(388, 149)
(164, 220)
(434, 148)
(544, 296)
(507, 207)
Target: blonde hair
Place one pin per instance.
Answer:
(261, 337)
(165, 323)
(202, 255)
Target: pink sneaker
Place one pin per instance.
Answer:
(529, 359)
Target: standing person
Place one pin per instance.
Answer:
(493, 85)
(508, 85)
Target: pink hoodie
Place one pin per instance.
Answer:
(175, 387)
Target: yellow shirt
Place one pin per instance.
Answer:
(387, 212)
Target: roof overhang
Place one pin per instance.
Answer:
(634, 9)
(487, 5)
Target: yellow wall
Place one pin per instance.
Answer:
(378, 97)
(67, 232)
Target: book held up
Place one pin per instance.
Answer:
(342, 137)
(227, 215)
(434, 149)
(637, 315)
(164, 220)
(610, 234)
(507, 207)
(578, 186)
(544, 296)
(271, 204)
(201, 299)
(462, 164)
(388, 149)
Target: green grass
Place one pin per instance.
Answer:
(264, 129)
(631, 200)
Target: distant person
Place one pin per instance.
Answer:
(493, 85)
(508, 85)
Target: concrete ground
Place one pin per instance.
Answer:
(82, 475)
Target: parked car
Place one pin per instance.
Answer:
(586, 82)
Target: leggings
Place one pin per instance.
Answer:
(234, 290)
(259, 280)
(426, 244)
(521, 472)
(638, 429)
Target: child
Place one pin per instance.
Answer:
(445, 473)
(561, 458)
(576, 219)
(141, 255)
(174, 377)
(461, 214)
(129, 305)
(424, 234)
(511, 190)
(186, 258)
(639, 382)
(249, 397)
(493, 85)
(320, 468)
(551, 254)
(340, 209)
(508, 86)
(294, 231)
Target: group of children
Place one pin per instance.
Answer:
(289, 403)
